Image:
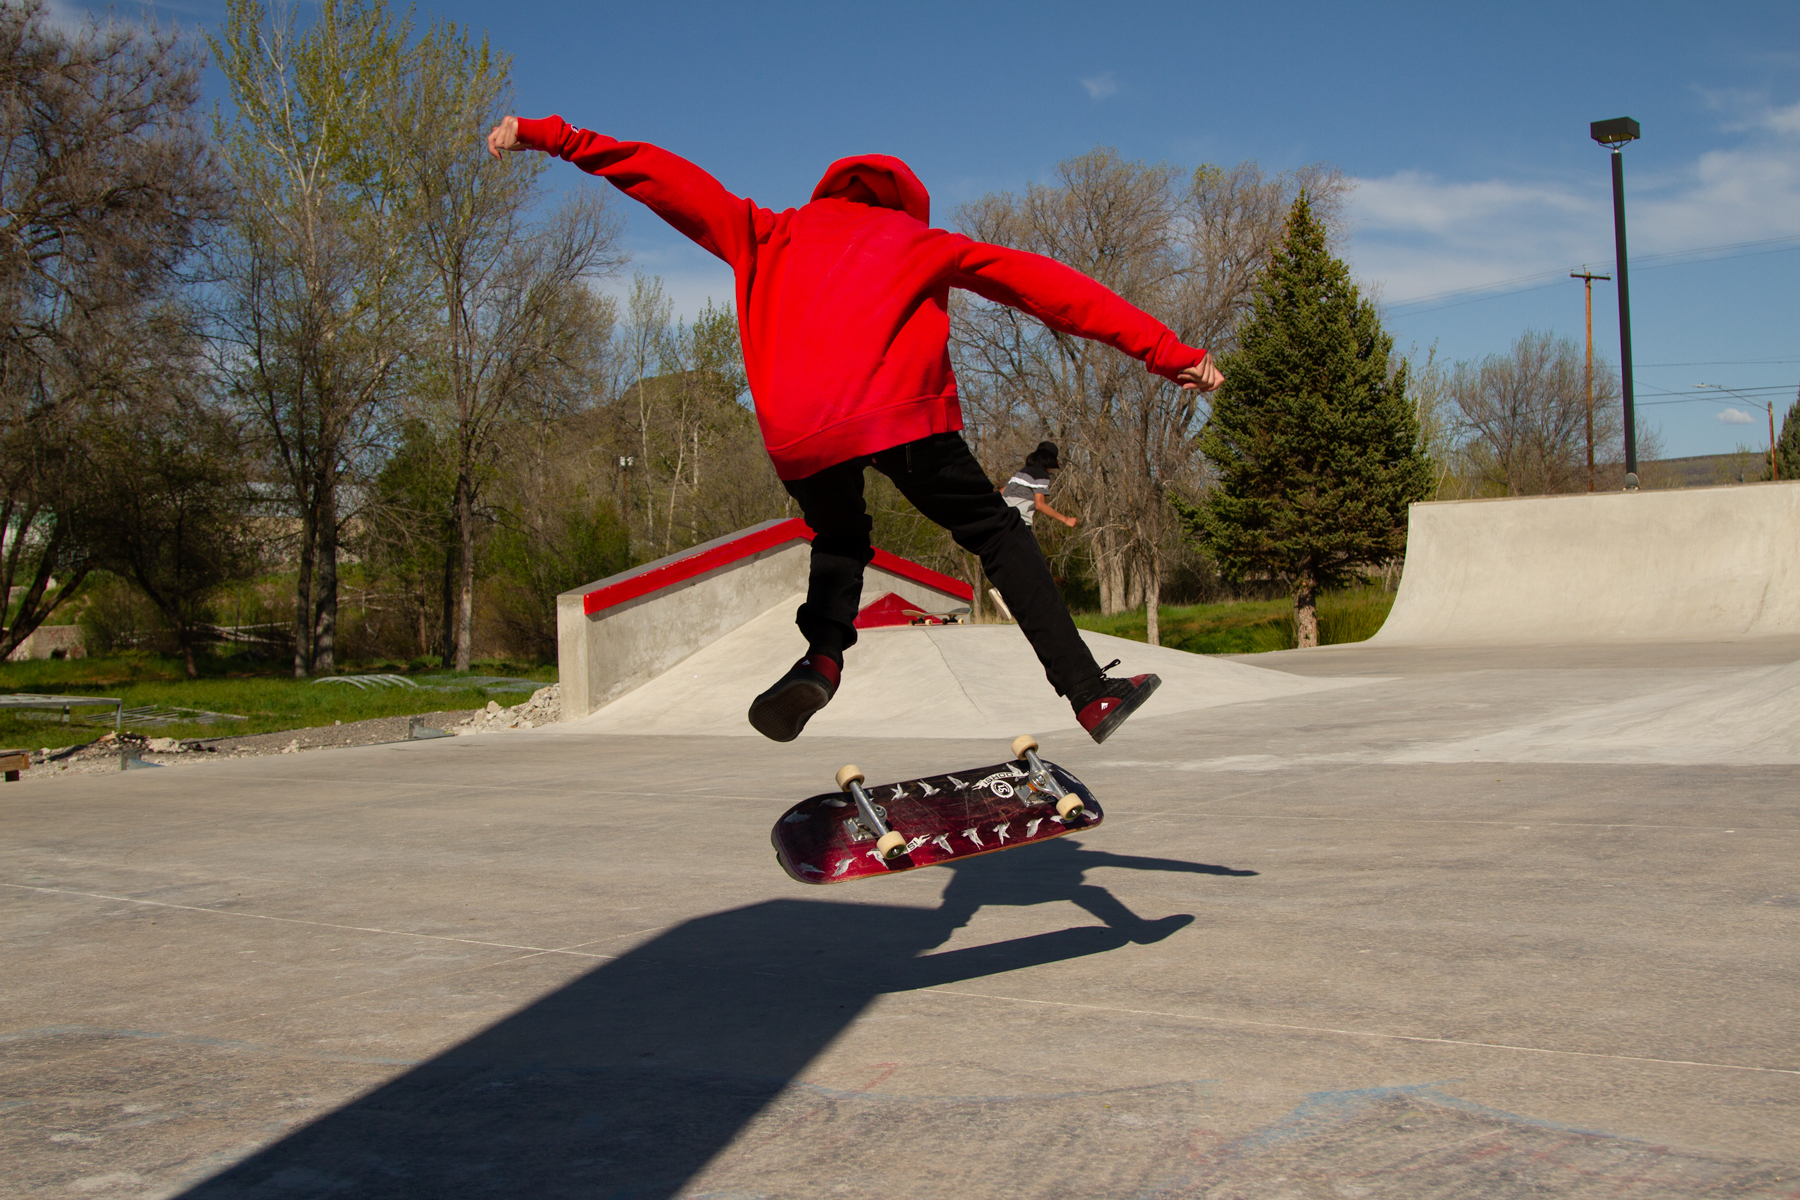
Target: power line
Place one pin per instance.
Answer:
(1727, 362)
(1529, 283)
(1782, 389)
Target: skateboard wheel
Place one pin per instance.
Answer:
(1068, 808)
(848, 775)
(891, 843)
(1022, 743)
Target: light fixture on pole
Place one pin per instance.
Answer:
(1614, 134)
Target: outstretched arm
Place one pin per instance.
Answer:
(1070, 302)
(675, 189)
(1043, 506)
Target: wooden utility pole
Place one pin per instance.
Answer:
(1587, 280)
(1774, 471)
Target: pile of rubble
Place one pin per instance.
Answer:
(543, 708)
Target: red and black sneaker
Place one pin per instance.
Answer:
(782, 711)
(1103, 705)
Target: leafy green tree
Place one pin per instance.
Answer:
(1314, 442)
(169, 509)
(320, 281)
(407, 539)
(514, 328)
(1787, 446)
(554, 551)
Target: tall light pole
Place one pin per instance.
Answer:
(1587, 279)
(1614, 134)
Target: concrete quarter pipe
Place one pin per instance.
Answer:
(1698, 564)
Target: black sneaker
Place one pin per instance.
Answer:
(1103, 705)
(782, 712)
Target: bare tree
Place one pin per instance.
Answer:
(1185, 248)
(1522, 418)
(107, 187)
(697, 468)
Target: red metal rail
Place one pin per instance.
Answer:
(682, 567)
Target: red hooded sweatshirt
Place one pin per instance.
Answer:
(843, 303)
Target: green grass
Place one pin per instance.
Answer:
(1252, 626)
(270, 702)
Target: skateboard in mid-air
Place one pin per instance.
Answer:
(859, 831)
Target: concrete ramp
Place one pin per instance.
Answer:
(619, 633)
(1696, 564)
(949, 681)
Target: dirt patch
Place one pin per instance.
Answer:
(103, 756)
(542, 708)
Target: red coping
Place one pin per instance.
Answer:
(795, 529)
(888, 610)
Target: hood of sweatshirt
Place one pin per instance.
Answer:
(892, 182)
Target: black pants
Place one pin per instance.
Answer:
(942, 480)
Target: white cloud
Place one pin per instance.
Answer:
(689, 289)
(1420, 235)
(1783, 120)
(1733, 416)
(1100, 86)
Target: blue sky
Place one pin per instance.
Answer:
(1463, 126)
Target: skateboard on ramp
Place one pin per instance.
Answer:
(859, 832)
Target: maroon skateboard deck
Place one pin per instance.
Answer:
(859, 832)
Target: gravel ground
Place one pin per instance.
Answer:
(102, 756)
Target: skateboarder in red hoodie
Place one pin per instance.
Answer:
(843, 310)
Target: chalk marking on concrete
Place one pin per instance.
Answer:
(1361, 1033)
(221, 912)
(195, 1039)
(1113, 813)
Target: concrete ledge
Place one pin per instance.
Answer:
(621, 632)
(1691, 565)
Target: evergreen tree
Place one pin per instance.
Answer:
(1787, 446)
(1315, 444)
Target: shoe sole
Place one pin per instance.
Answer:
(1112, 720)
(779, 714)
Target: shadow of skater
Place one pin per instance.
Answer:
(627, 1080)
(1057, 870)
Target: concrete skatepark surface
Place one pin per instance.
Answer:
(1333, 941)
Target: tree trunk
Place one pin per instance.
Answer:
(187, 654)
(1134, 583)
(447, 630)
(1152, 604)
(1306, 617)
(325, 640)
(465, 606)
(978, 580)
(303, 623)
(1109, 572)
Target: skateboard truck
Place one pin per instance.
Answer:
(871, 816)
(1068, 808)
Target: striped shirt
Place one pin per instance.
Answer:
(1022, 491)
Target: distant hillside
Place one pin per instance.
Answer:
(1706, 470)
